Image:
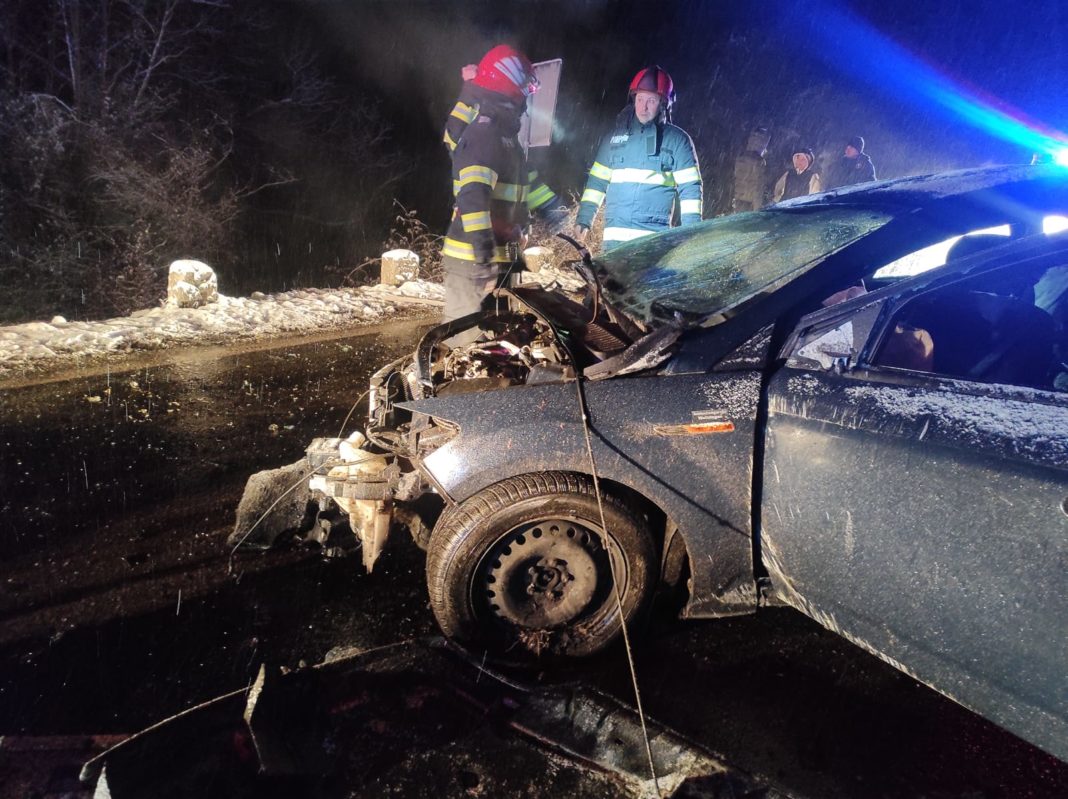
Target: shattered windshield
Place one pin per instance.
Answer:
(715, 265)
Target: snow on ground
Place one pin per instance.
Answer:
(37, 345)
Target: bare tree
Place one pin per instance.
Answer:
(137, 131)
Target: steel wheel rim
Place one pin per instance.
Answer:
(548, 574)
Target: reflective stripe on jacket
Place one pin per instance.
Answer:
(640, 172)
(494, 189)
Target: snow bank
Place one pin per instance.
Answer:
(35, 345)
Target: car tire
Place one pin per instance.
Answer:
(520, 570)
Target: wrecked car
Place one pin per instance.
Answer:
(854, 404)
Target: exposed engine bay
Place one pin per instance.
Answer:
(360, 487)
(513, 348)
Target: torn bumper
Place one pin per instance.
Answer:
(361, 483)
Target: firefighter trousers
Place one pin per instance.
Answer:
(466, 283)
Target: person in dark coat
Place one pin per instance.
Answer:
(853, 167)
(801, 180)
(751, 173)
(494, 189)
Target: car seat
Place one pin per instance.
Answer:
(978, 335)
(1007, 282)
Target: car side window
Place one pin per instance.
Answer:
(955, 248)
(923, 260)
(935, 255)
(1007, 325)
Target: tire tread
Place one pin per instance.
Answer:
(448, 533)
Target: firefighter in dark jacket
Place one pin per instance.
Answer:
(801, 180)
(646, 170)
(493, 188)
(853, 167)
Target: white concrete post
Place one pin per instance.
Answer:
(399, 266)
(191, 284)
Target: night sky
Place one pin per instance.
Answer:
(795, 67)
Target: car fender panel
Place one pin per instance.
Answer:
(702, 482)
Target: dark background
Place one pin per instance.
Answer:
(273, 138)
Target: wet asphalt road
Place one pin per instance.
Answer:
(117, 491)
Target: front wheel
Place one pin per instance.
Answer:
(521, 567)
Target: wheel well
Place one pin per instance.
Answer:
(671, 545)
(675, 562)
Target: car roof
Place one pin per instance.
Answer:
(922, 189)
(1034, 248)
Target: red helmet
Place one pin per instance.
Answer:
(506, 71)
(654, 79)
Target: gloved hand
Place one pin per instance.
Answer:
(581, 233)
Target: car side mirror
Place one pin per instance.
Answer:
(831, 349)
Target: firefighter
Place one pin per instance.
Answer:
(646, 170)
(493, 188)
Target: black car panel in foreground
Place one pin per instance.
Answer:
(841, 403)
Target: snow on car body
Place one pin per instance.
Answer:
(893, 465)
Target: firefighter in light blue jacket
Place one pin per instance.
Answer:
(646, 171)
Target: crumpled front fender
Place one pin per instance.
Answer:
(704, 491)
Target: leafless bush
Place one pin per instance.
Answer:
(408, 232)
(92, 215)
(135, 132)
(132, 279)
(542, 235)
(102, 180)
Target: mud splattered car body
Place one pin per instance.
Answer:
(766, 428)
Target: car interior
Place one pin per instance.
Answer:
(1007, 325)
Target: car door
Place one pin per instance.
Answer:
(918, 503)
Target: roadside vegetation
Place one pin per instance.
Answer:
(138, 132)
